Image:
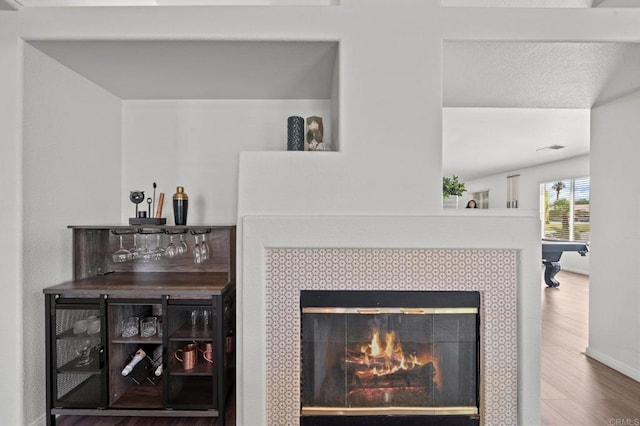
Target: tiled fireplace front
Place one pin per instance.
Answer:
(493, 273)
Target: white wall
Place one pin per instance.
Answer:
(614, 325)
(11, 368)
(390, 104)
(530, 180)
(196, 144)
(71, 176)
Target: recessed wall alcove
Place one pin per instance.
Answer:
(176, 112)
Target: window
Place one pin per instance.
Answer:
(566, 209)
(481, 198)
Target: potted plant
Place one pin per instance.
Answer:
(452, 188)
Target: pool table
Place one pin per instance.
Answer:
(551, 253)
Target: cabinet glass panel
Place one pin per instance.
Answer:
(191, 359)
(79, 356)
(135, 353)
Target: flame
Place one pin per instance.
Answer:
(384, 359)
(375, 344)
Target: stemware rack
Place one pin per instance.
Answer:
(93, 246)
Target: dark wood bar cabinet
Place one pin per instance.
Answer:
(171, 318)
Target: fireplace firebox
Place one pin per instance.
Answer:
(396, 357)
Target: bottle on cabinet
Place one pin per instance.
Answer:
(137, 357)
(180, 206)
(144, 365)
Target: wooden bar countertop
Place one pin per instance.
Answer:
(146, 284)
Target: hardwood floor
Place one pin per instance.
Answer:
(577, 390)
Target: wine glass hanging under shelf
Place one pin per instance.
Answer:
(145, 254)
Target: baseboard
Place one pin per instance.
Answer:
(623, 368)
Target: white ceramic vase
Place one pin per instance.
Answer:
(450, 202)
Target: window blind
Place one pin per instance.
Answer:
(567, 209)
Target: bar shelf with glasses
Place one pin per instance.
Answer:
(181, 249)
(193, 304)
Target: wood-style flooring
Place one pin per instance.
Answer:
(577, 390)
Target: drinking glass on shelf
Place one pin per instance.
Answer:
(182, 245)
(206, 318)
(172, 249)
(130, 327)
(136, 250)
(122, 254)
(146, 254)
(204, 249)
(159, 251)
(197, 254)
(93, 325)
(83, 349)
(148, 326)
(80, 326)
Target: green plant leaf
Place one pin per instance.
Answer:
(451, 186)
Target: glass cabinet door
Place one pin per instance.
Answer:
(76, 348)
(191, 328)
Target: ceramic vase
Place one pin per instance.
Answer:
(295, 133)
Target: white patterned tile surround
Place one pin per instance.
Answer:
(492, 272)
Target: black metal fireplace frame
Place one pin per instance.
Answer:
(392, 299)
(382, 299)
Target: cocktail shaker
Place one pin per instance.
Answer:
(180, 206)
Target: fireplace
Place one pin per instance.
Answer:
(495, 255)
(410, 357)
(272, 368)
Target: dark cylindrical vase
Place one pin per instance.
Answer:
(295, 133)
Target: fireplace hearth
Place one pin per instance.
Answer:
(410, 357)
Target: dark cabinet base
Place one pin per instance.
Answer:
(89, 336)
(160, 417)
(98, 389)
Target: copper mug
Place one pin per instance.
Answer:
(207, 352)
(189, 356)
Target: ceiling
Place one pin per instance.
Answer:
(540, 3)
(201, 69)
(486, 141)
(50, 3)
(11, 4)
(505, 100)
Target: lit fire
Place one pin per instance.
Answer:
(377, 358)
